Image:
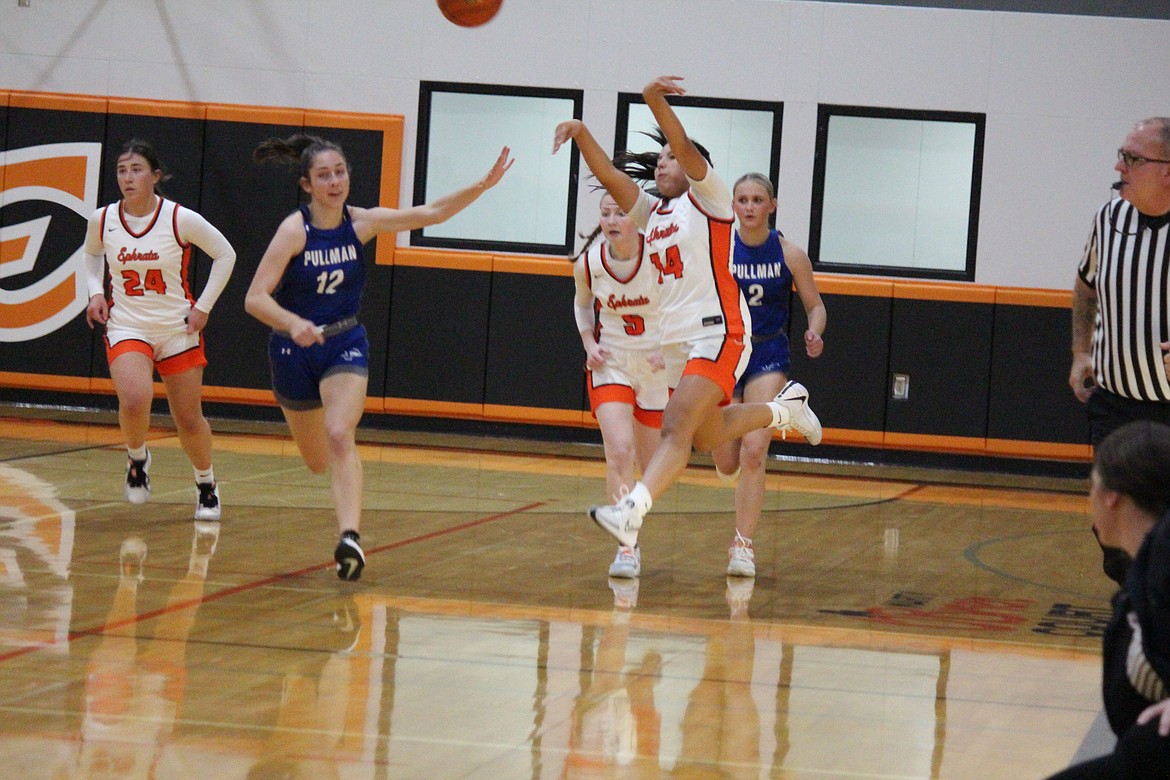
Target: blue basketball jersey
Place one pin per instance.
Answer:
(324, 283)
(766, 283)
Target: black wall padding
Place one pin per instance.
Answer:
(944, 347)
(437, 349)
(1030, 359)
(534, 351)
(847, 383)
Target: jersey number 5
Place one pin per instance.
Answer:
(635, 325)
(133, 284)
(673, 265)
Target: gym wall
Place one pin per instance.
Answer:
(481, 336)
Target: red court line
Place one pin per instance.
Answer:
(247, 586)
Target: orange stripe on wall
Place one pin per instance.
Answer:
(853, 285)
(422, 408)
(256, 114)
(57, 101)
(535, 266)
(72, 384)
(932, 443)
(848, 437)
(1039, 449)
(164, 108)
(1021, 296)
(238, 395)
(440, 258)
(960, 293)
(534, 415)
(391, 177)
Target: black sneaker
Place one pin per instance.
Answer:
(207, 505)
(349, 556)
(138, 480)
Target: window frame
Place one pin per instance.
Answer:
(427, 89)
(825, 112)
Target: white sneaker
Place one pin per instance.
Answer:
(623, 519)
(137, 489)
(794, 398)
(207, 506)
(741, 559)
(627, 564)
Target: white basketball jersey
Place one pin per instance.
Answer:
(689, 244)
(627, 311)
(148, 268)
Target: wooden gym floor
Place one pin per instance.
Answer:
(901, 626)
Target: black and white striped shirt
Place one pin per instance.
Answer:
(1127, 262)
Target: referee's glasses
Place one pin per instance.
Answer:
(1134, 160)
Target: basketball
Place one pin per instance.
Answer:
(469, 13)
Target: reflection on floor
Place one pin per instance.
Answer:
(896, 629)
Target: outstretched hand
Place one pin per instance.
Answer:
(566, 131)
(663, 86)
(503, 163)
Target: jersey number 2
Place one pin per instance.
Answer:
(133, 284)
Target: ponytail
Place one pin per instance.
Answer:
(300, 148)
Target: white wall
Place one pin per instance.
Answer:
(1060, 92)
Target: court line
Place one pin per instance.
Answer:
(973, 552)
(275, 578)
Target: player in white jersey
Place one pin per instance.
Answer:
(689, 235)
(152, 320)
(616, 308)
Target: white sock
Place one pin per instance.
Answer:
(641, 496)
(780, 414)
(206, 477)
(137, 453)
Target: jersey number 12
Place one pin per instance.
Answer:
(327, 281)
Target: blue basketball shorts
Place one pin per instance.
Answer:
(297, 371)
(768, 357)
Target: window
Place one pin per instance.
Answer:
(896, 192)
(742, 135)
(462, 128)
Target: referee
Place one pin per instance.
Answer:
(1121, 299)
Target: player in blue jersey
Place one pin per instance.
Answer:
(308, 289)
(765, 264)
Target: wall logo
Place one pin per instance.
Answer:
(66, 174)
